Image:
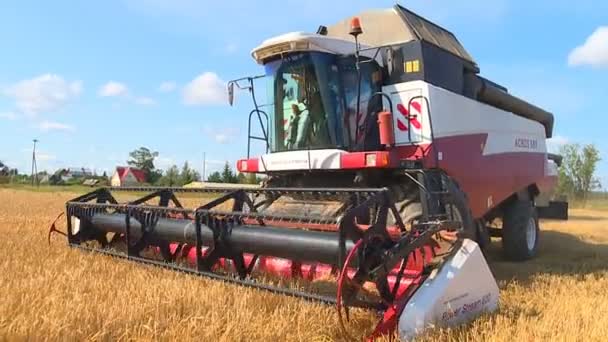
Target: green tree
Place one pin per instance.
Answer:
(253, 178)
(577, 173)
(215, 177)
(5, 170)
(188, 175)
(228, 175)
(248, 178)
(143, 159)
(171, 177)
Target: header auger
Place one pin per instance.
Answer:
(387, 157)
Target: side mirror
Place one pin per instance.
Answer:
(231, 93)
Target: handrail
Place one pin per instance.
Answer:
(264, 132)
(256, 110)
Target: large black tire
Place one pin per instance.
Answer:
(462, 212)
(408, 205)
(520, 231)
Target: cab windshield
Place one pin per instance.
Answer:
(313, 96)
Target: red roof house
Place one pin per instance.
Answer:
(128, 176)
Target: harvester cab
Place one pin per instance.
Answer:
(387, 159)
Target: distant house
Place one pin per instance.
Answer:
(127, 176)
(43, 178)
(74, 172)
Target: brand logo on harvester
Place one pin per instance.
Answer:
(530, 144)
(413, 118)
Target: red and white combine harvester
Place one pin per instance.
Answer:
(387, 159)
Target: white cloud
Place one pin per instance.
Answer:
(220, 135)
(47, 126)
(205, 89)
(556, 142)
(593, 52)
(8, 116)
(167, 87)
(121, 90)
(145, 101)
(43, 93)
(113, 89)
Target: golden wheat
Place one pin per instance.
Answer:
(56, 293)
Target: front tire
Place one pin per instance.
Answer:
(459, 210)
(520, 231)
(456, 206)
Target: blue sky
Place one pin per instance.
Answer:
(95, 80)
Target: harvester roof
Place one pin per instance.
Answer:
(381, 27)
(302, 41)
(399, 25)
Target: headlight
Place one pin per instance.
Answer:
(370, 160)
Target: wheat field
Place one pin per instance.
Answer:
(51, 292)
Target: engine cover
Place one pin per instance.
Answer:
(461, 290)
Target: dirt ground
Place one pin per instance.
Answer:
(51, 292)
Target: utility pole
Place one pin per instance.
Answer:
(34, 166)
(204, 166)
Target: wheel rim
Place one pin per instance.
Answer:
(531, 234)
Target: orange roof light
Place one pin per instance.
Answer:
(355, 26)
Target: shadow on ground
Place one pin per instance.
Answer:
(560, 253)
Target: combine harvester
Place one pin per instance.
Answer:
(387, 159)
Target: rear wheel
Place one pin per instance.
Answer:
(520, 231)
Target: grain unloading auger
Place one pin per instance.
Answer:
(389, 162)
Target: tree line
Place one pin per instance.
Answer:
(143, 159)
(5, 170)
(576, 177)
